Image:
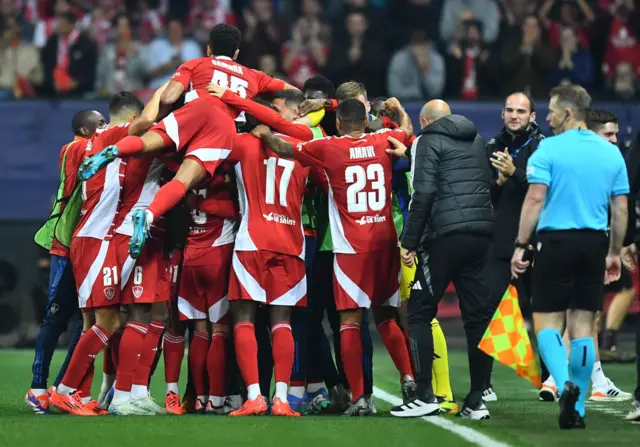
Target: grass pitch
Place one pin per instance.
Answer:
(518, 419)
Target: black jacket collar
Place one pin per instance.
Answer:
(507, 139)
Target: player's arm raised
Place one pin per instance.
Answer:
(171, 94)
(278, 145)
(149, 115)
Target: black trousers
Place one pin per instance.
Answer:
(460, 258)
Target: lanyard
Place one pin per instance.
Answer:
(515, 153)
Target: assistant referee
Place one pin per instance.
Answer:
(573, 179)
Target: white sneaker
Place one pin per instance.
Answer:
(360, 408)
(147, 406)
(479, 413)
(123, 409)
(417, 408)
(634, 414)
(370, 404)
(610, 393)
(489, 395)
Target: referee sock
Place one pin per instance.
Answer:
(581, 360)
(166, 198)
(440, 368)
(554, 354)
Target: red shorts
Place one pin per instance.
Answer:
(268, 277)
(203, 130)
(365, 280)
(144, 280)
(204, 283)
(95, 269)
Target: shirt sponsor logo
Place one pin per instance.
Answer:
(279, 218)
(361, 152)
(365, 220)
(531, 170)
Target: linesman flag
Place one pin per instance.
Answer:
(506, 339)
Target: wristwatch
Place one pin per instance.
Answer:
(519, 244)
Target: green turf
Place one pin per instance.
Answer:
(518, 419)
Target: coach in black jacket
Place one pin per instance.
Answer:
(448, 230)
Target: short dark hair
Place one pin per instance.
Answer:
(292, 98)
(320, 83)
(224, 40)
(69, 17)
(125, 100)
(352, 113)
(573, 97)
(350, 90)
(80, 120)
(532, 103)
(251, 122)
(596, 118)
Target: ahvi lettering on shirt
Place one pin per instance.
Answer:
(364, 220)
(279, 218)
(234, 68)
(361, 152)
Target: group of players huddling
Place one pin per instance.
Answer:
(250, 195)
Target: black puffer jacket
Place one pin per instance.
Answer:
(451, 182)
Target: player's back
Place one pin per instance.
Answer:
(101, 193)
(270, 191)
(209, 229)
(359, 172)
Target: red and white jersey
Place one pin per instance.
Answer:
(142, 179)
(195, 75)
(101, 193)
(211, 230)
(270, 191)
(359, 174)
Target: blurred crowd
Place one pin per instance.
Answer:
(411, 49)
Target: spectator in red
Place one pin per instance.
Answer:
(47, 25)
(150, 22)
(20, 69)
(100, 21)
(69, 60)
(575, 14)
(305, 54)
(468, 67)
(205, 14)
(623, 85)
(616, 37)
(358, 55)
(575, 65)
(121, 66)
(262, 32)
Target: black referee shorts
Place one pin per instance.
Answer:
(569, 271)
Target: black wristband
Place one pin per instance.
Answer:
(519, 244)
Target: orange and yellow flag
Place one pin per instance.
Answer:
(506, 339)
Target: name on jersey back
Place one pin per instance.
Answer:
(356, 153)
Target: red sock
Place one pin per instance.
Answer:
(87, 381)
(113, 350)
(244, 335)
(167, 197)
(407, 342)
(282, 348)
(351, 355)
(217, 364)
(173, 355)
(130, 349)
(84, 355)
(130, 145)
(198, 350)
(395, 343)
(148, 355)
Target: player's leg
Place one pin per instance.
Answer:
(198, 349)
(265, 358)
(367, 361)
(615, 316)
(62, 305)
(283, 355)
(75, 337)
(441, 377)
(190, 173)
(393, 339)
(174, 341)
(351, 356)
(634, 414)
(217, 367)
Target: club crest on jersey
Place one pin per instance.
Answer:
(279, 218)
(109, 293)
(137, 291)
(365, 220)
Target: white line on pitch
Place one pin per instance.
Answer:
(466, 433)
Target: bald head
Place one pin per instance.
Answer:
(433, 111)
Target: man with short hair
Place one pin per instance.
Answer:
(448, 229)
(509, 152)
(573, 179)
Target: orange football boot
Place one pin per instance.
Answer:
(172, 404)
(93, 406)
(279, 408)
(70, 403)
(256, 406)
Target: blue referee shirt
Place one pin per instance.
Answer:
(583, 172)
